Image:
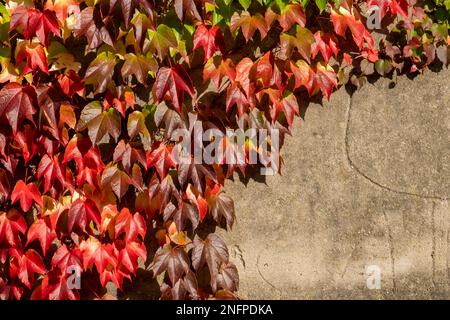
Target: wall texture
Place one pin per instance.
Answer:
(366, 181)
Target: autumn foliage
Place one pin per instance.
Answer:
(91, 92)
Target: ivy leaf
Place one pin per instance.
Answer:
(136, 126)
(116, 179)
(132, 225)
(227, 278)
(212, 251)
(34, 55)
(195, 173)
(71, 84)
(17, 103)
(25, 266)
(160, 157)
(42, 24)
(183, 6)
(90, 25)
(321, 4)
(396, 7)
(187, 210)
(383, 67)
(245, 3)
(63, 8)
(127, 7)
(326, 79)
(161, 40)
(98, 122)
(326, 44)
(52, 170)
(128, 155)
(209, 39)
(302, 41)
(81, 212)
(100, 255)
(65, 258)
(173, 260)
(304, 75)
(347, 20)
(173, 81)
(35, 22)
(290, 15)
(216, 68)
(249, 24)
(55, 287)
(100, 71)
(235, 96)
(129, 255)
(139, 66)
(26, 194)
(12, 223)
(40, 231)
(288, 104)
(220, 205)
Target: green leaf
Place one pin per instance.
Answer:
(321, 4)
(383, 67)
(161, 40)
(245, 3)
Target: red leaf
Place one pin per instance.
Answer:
(183, 6)
(116, 179)
(81, 212)
(129, 255)
(52, 170)
(400, 7)
(235, 96)
(63, 8)
(173, 260)
(17, 103)
(304, 75)
(326, 79)
(26, 194)
(102, 256)
(35, 57)
(34, 22)
(216, 68)
(173, 81)
(288, 104)
(40, 231)
(65, 258)
(290, 15)
(90, 25)
(347, 20)
(25, 266)
(11, 224)
(71, 84)
(160, 157)
(209, 39)
(55, 287)
(326, 44)
(131, 225)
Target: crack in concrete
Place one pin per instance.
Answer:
(263, 278)
(365, 176)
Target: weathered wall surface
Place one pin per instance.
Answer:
(366, 181)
